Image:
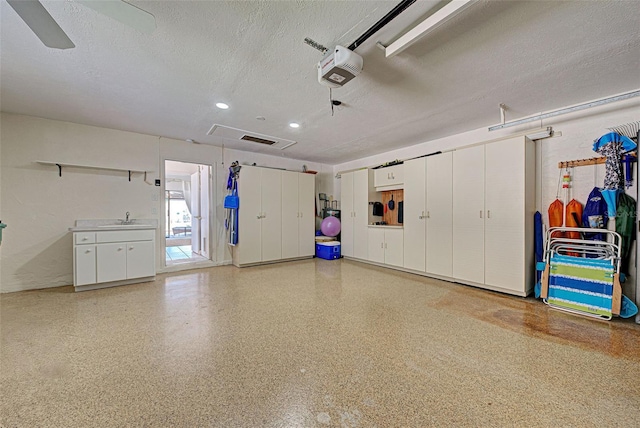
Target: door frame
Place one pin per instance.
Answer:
(212, 239)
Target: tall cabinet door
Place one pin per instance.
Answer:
(271, 201)
(361, 213)
(505, 220)
(290, 214)
(468, 214)
(414, 213)
(249, 216)
(346, 214)
(307, 220)
(439, 215)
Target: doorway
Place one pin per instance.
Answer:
(187, 198)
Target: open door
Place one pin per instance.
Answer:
(195, 212)
(205, 188)
(188, 189)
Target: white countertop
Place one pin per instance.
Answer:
(103, 225)
(386, 226)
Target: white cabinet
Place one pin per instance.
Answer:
(111, 262)
(468, 214)
(271, 212)
(355, 189)
(298, 214)
(106, 258)
(376, 245)
(389, 178)
(439, 241)
(140, 259)
(276, 216)
(415, 210)
(84, 262)
(427, 214)
(493, 207)
(386, 245)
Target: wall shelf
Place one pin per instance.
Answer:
(73, 165)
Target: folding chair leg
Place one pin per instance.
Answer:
(616, 299)
(544, 282)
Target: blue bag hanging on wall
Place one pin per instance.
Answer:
(594, 215)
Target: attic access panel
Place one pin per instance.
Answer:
(234, 135)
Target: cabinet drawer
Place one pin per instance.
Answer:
(84, 238)
(125, 236)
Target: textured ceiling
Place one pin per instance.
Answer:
(531, 55)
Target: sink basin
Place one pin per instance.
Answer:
(121, 226)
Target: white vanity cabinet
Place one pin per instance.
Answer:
(114, 257)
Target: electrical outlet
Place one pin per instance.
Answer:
(158, 183)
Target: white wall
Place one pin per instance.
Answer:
(40, 207)
(578, 130)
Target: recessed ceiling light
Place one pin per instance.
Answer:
(294, 125)
(223, 106)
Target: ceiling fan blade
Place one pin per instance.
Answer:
(41, 23)
(124, 12)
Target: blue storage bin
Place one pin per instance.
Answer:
(328, 250)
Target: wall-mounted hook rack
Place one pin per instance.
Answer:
(585, 162)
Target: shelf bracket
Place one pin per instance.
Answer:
(129, 175)
(59, 170)
(145, 176)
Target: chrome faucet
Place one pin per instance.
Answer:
(126, 221)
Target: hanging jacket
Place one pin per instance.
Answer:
(555, 217)
(594, 215)
(625, 226)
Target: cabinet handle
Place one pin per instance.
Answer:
(130, 248)
(300, 215)
(258, 217)
(119, 248)
(428, 214)
(382, 245)
(87, 251)
(480, 213)
(488, 213)
(85, 238)
(385, 245)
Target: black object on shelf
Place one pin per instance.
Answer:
(378, 209)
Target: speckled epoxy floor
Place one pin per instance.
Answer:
(309, 343)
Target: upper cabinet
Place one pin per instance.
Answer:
(389, 178)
